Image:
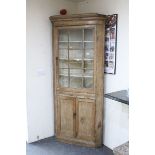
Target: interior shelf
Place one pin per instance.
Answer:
(76, 68)
(75, 59)
(76, 41)
(78, 76)
(75, 48)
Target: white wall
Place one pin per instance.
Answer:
(40, 118)
(116, 123)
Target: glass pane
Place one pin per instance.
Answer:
(88, 35)
(76, 72)
(75, 54)
(89, 54)
(63, 72)
(63, 81)
(63, 64)
(88, 64)
(75, 45)
(75, 82)
(75, 35)
(75, 64)
(63, 45)
(63, 54)
(89, 45)
(63, 35)
(88, 72)
(88, 83)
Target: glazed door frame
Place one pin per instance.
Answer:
(56, 57)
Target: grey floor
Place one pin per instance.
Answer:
(50, 146)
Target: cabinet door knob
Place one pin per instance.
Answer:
(56, 61)
(74, 114)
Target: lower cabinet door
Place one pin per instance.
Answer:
(85, 119)
(66, 116)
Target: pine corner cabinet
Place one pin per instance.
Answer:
(78, 55)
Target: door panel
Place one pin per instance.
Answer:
(66, 116)
(85, 121)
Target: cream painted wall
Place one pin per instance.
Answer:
(40, 113)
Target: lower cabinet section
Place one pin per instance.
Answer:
(75, 120)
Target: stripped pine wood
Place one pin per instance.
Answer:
(78, 99)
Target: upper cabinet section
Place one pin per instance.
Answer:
(76, 50)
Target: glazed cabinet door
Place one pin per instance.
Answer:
(75, 61)
(66, 116)
(85, 122)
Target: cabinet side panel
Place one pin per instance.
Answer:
(99, 83)
(54, 90)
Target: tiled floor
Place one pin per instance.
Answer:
(51, 146)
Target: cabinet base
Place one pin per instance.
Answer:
(78, 142)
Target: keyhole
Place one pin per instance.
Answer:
(82, 119)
